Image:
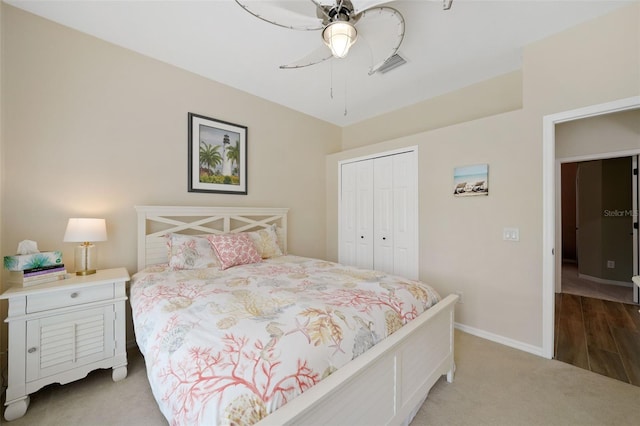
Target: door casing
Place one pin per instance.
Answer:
(550, 194)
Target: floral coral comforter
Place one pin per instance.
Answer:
(230, 347)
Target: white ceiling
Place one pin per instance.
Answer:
(445, 50)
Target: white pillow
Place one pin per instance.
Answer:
(266, 242)
(191, 252)
(281, 239)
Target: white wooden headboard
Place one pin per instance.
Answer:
(156, 221)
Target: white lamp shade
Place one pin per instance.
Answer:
(339, 36)
(85, 230)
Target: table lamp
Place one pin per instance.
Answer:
(85, 231)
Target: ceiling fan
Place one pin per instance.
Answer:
(341, 23)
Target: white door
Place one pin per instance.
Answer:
(405, 207)
(395, 201)
(378, 214)
(347, 244)
(383, 213)
(356, 214)
(365, 217)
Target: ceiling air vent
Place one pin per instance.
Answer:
(393, 62)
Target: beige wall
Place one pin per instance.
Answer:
(604, 134)
(617, 231)
(461, 246)
(605, 220)
(588, 64)
(95, 129)
(483, 99)
(590, 222)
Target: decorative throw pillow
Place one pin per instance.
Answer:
(266, 242)
(190, 252)
(234, 249)
(281, 239)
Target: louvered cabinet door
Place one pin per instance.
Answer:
(61, 343)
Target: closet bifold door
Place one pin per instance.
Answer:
(378, 214)
(405, 208)
(383, 212)
(356, 239)
(394, 215)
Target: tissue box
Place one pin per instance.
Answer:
(20, 262)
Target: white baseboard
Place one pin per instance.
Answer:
(535, 350)
(605, 281)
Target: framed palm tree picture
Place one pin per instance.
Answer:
(217, 156)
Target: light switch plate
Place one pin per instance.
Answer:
(511, 234)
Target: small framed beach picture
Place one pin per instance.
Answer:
(217, 156)
(471, 180)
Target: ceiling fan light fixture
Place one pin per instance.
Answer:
(339, 36)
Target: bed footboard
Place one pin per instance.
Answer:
(385, 384)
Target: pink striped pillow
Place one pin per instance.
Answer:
(234, 249)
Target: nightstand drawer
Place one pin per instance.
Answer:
(65, 298)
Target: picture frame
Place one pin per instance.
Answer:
(471, 180)
(217, 156)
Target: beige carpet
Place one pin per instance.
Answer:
(497, 385)
(494, 385)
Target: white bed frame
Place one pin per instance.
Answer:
(385, 385)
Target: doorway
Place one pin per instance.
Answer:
(599, 241)
(550, 235)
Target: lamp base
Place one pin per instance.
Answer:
(85, 257)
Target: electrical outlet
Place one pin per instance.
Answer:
(459, 293)
(611, 264)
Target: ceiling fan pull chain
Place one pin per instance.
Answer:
(331, 78)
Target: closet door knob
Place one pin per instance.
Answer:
(361, 236)
(74, 295)
(32, 350)
(384, 238)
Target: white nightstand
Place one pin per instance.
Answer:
(60, 331)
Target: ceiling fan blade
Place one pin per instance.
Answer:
(358, 5)
(321, 9)
(362, 5)
(383, 30)
(282, 16)
(321, 54)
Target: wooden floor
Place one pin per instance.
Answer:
(599, 335)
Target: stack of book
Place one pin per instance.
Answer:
(39, 275)
(36, 268)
